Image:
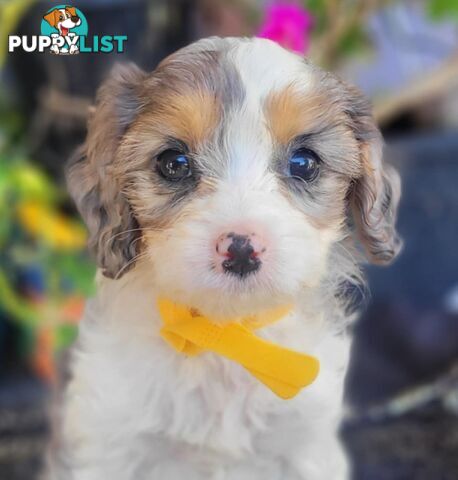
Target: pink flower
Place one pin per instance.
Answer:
(289, 25)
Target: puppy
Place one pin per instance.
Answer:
(63, 19)
(233, 179)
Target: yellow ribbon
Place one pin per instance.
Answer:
(282, 370)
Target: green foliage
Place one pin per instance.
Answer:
(353, 41)
(65, 275)
(440, 9)
(318, 9)
(11, 12)
(65, 335)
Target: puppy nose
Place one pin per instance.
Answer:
(242, 253)
(75, 18)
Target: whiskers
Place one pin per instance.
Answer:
(129, 264)
(119, 234)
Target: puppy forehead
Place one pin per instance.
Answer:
(217, 76)
(261, 63)
(266, 68)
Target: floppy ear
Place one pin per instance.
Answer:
(375, 195)
(52, 17)
(71, 11)
(92, 179)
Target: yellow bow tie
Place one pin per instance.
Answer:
(282, 370)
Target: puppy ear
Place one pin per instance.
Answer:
(52, 17)
(71, 11)
(91, 173)
(375, 195)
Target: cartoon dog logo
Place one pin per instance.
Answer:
(63, 19)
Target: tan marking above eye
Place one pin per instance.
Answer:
(191, 117)
(290, 113)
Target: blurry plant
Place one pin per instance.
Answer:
(339, 30)
(11, 12)
(55, 230)
(439, 9)
(333, 29)
(44, 273)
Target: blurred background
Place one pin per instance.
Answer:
(402, 387)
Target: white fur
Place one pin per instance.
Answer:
(265, 66)
(137, 410)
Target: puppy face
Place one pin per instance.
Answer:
(63, 18)
(231, 170)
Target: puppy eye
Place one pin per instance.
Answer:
(174, 165)
(304, 164)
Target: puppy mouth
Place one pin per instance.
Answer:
(69, 24)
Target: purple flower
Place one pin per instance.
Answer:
(289, 25)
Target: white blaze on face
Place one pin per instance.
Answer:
(264, 68)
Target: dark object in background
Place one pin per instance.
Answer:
(419, 446)
(407, 336)
(398, 345)
(23, 427)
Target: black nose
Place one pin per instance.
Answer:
(242, 259)
(75, 18)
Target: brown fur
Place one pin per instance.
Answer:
(95, 184)
(375, 194)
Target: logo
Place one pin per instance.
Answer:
(65, 25)
(64, 31)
